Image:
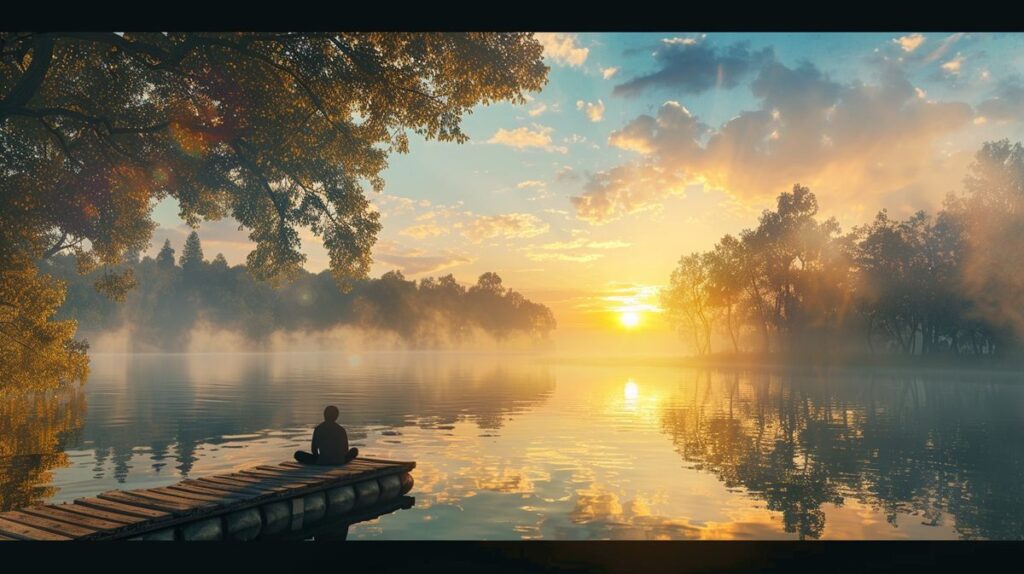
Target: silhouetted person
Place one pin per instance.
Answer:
(330, 442)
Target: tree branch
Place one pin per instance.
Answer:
(57, 247)
(32, 79)
(85, 118)
(255, 170)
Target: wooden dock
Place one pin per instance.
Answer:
(255, 502)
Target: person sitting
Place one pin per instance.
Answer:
(330, 442)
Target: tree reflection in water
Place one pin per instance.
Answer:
(924, 445)
(34, 430)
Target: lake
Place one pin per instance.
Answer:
(520, 446)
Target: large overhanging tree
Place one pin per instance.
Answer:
(281, 131)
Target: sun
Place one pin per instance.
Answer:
(629, 319)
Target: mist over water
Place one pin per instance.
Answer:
(208, 338)
(521, 445)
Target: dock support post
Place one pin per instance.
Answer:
(242, 525)
(407, 482)
(340, 500)
(297, 511)
(389, 487)
(314, 506)
(276, 516)
(209, 529)
(367, 493)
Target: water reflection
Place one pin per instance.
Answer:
(35, 429)
(155, 417)
(901, 444)
(515, 447)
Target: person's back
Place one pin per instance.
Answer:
(330, 442)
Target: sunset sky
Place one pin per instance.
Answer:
(645, 147)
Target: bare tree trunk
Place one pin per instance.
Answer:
(732, 331)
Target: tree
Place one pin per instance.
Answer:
(277, 130)
(39, 353)
(991, 212)
(165, 258)
(489, 282)
(192, 253)
(725, 288)
(687, 300)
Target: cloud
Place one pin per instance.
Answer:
(625, 189)
(529, 183)
(554, 211)
(566, 173)
(524, 138)
(680, 40)
(508, 225)
(416, 261)
(582, 243)
(537, 110)
(568, 257)
(395, 204)
(594, 112)
(424, 230)
(1006, 103)
(693, 67)
(909, 43)
(562, 48)
(944, 47)
(674, 128)
(847, 140)
(609, 73)
(621, 296)
(953, 66)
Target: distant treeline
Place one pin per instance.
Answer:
(949, 284)
(173, 296)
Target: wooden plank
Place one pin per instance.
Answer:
(340, 475)
(56, 513)
(366, 466)
(316, 470)
(264, 481)
(7, 538)
(242, 487)
(268, 480)
(105, 515)
(358, 463)
(303, 475)
(313, 471)
(199, 489)
(122, 508)
(239, 486)
(281, 476)
(219, 499)
(153, 494)
(23, 532)
(55, 526)
(406, 464)
(281, 471)
(375, 464)
(175, 508)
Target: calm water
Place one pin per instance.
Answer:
(513, 447)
